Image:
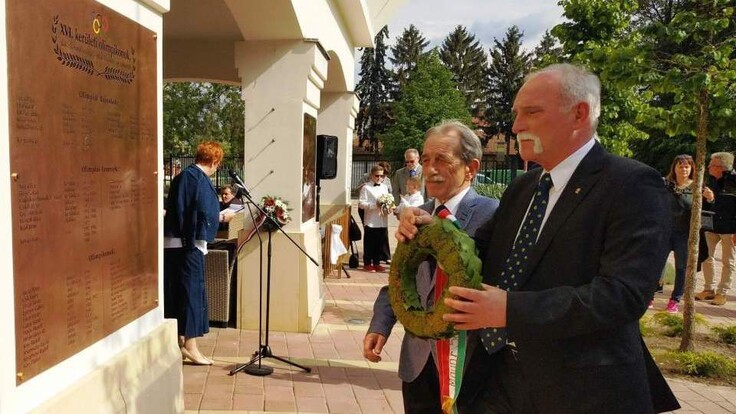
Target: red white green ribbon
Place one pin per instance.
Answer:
(450, 352)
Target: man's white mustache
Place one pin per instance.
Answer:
(528, 136)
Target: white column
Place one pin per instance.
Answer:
(282, 81)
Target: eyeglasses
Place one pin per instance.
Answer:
(378, 176)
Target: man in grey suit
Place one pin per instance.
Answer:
(451, 158)
(412, 169)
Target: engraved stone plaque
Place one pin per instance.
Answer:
(83, 159)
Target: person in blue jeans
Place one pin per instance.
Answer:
(679, 182)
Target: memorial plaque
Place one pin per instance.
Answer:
(83, 159)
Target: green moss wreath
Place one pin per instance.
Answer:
(455, 252)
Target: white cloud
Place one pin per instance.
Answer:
(487, 19)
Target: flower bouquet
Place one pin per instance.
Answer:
(277, 209)
(386, 203)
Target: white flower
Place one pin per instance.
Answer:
(386, 202)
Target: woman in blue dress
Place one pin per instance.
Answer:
(191, 221)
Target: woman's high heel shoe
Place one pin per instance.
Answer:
(196, 361)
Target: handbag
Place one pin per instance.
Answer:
(354, 232)
(354, 261)
(706, 220)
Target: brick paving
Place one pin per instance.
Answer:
(341, 381)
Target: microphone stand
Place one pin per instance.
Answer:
(264, 350)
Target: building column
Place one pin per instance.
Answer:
(337, 117)
(281, 82)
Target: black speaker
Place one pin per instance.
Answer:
(326, 157)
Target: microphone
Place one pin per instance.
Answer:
(239, 182)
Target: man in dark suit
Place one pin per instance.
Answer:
(451, 158)
(577, 247)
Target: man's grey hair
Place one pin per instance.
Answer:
(411, 151)
(577, 84)
(470, 146)
(726, 159)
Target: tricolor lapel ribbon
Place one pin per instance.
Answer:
(450, 352)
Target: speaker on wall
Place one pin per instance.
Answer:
(326, 157)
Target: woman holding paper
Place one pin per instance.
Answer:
(191, 221)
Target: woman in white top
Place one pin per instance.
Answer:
(375, 222)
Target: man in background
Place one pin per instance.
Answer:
(722, 201)
(412, 169)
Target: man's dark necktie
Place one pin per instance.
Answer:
(494, 339)
(412, 173)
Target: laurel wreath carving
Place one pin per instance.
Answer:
(87, 66)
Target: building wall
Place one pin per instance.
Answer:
(101, 366)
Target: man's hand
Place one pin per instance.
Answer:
(227, 216)
(373, 345)
(409, 220)
(477, 308)
(708, 194)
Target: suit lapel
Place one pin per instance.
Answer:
(581, 182)
(465, 208)
(518, 212)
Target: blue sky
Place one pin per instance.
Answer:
(487, 19)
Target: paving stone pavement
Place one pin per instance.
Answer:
(341, 381)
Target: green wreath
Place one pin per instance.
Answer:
(456, 255)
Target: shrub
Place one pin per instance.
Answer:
(645, 325)
(703, 364)
(673, 323)
(726, 334)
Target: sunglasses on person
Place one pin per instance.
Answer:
(378, 176)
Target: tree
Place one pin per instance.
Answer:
(409, 47)
(687, 62)
(675, 66)
(430, 96)
(509, 64)
(594, 28)
(547, 52)
(463, 55)
(373, 89)
(197, 111)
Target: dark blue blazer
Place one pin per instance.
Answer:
(575, 316)
(192, 207)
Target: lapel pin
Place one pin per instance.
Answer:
(577, 190)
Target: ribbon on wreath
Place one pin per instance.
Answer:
(450, 352)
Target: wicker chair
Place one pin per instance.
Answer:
(217, 277)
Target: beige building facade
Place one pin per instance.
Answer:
(291, 58)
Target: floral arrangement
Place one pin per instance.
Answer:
(277, 209)
(386, 203)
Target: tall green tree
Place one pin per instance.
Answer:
(594, 27)
(373, 89)
(429, 97)
(405, 54)
(547, 52)
(509, 64)
(197, 111)
(463, 55)
(687, 62)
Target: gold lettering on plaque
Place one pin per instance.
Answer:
(83, 140)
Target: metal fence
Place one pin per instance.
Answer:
(493, 169)
(173, 164)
